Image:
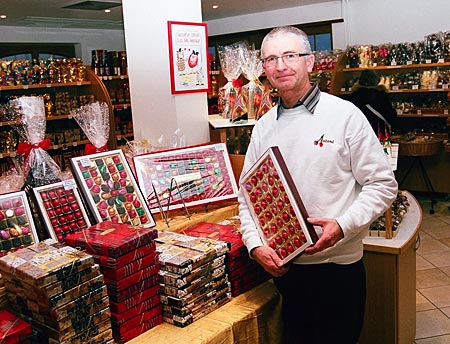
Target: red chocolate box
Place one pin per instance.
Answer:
(111, 239)
(129, 269)
(13, 330)
(276, 206)
(137, 302)
(118, 296)
(138, 276)
(61, 208)
(134, 332)
(115, 263)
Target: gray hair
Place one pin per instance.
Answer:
(285, 30)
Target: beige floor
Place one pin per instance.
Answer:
(433, 275)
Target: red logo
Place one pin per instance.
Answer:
(322, 140)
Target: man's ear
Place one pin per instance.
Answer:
(310, 62)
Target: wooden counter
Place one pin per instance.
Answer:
(391, 282)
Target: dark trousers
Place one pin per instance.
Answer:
(323, 303)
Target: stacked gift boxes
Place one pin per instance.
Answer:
(243, 272)
(14, 330)
(129, 262)
(192, 274)
(60, 291)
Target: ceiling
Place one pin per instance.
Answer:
(53, 14)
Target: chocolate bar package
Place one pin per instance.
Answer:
(125, 323)
(110, 190)
(189, 319)
(61, 208)
(276, 206)
(14, 330)
(200, 285)
(146, 297)
(136, 331)
(44, 263)
(135, 278)
(111, 239)
(119, 295)
(188, 176)
(115, 263)
(182, 254)
(17, 228)
(145, 305)
(131, 268)
(175, 280)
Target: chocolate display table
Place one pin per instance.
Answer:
(254, 316)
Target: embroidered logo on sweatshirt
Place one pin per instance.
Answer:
(322, 140)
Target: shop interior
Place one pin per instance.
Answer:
(119, 55)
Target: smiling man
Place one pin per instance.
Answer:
(345, 182)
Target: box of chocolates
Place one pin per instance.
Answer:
(110, 189)
(116, 263)
(14, 330)
(276, 206)
(61, 208)
(187, 176)
(17, 227)
(111, 239)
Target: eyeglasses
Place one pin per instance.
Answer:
(288, 59)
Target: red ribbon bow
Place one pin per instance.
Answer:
(26, 147)
(91, 149)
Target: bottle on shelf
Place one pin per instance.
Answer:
(106, 64)
(94, 62)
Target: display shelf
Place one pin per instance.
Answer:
(61, 123)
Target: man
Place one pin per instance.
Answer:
(345, 182)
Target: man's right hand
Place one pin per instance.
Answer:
(269, 260)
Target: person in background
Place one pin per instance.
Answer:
(371, 98)
(345, 183)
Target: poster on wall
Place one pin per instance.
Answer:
(188, 54)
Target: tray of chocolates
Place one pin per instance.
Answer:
(276, 206)
(61, 208)
(187, 176)
(110, 189)
(17, 227)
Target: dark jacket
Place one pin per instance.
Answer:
(377, 98)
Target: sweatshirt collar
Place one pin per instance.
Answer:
(309, 100)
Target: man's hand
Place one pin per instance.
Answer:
(269, 260)
(332, 233)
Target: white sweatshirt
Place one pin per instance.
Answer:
(348, 177)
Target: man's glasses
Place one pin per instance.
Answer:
(288, 59)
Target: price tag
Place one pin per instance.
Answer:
(419, 112)
(74, 143)
(445, 86)
(49, 85)
(441, 60)
(55, 146)
(399, 112)
(445, 111)
(415, 87)
(69, 116)
(428, 61)
(1, 156)
(78, 83)
(122, 77)
(69, 184)
(409, 62)
(110, 77)
(343, 89)
(25, 87)
(395, 88)
(125, 106)
(393, 63)
(374, 64)
(85, 162)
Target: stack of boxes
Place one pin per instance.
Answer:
(60, 291)
(243, 272)
(192, 277)
(129, 262)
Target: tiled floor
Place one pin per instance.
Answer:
(433, 275)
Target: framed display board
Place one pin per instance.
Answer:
(188, 53)
(17, 228)
(186, 176)
(61, 208)
(276, 206)
(110, 189)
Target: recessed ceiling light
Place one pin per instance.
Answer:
(215, 6)
(107, 11)
(3, 16)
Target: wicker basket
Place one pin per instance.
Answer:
(419, 147)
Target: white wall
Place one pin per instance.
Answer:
(156, 111)
(86, 39)
(365, 21)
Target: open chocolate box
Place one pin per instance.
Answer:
(61, 208)
(17, 227)
(187, 176)
(276, 206)
(110, 189)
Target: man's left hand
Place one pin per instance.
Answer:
(332, 233)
